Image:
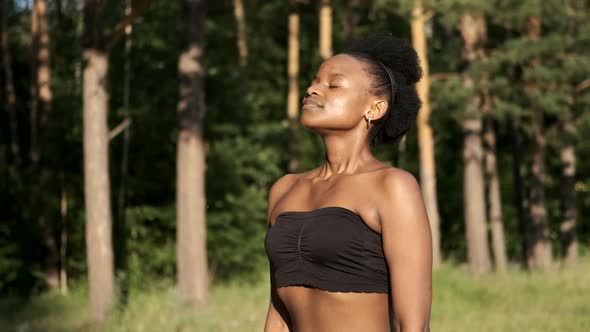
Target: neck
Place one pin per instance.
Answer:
(345, 154)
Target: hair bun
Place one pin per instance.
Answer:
(396, 53)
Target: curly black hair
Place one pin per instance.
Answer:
(400, 58)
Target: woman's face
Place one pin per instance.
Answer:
(339, 96)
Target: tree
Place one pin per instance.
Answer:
(325, 29)
(493, 195)
(191, 252)
(568, 211)
(9, 83)
(241, 32)
(293, 76)
(494, 198)
(473, 31)
(540, 255)
(351, 18)
(425, 136)
(99, 248)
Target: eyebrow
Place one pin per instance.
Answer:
(331, 75)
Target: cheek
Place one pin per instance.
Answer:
(348, 104)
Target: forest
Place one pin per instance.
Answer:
(139, 140)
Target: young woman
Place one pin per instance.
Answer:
(349, 242)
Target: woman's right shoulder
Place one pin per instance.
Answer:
(283, 184)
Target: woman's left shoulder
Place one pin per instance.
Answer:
(396, 180)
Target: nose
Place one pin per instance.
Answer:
(312, 90)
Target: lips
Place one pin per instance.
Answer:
(310, 103)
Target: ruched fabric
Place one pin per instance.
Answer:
(330, 248)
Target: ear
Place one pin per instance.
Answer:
(377, 110)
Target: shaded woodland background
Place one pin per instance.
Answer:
(190, 114)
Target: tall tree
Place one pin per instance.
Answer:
(325, 29)
(9, 83)
(43, 100)
(473, 32)
(567, 156)
(493, 195)
(44, 92)
(293, 76)
(517, 152)
(34, 106)
(241, 32)
(99, 249)
(540, 255)
(425, 136)
(351, 17)
(191, 252)
(491, 168)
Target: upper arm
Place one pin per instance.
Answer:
(407, 245)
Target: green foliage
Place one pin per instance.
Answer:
(551, 301)
(247, 131)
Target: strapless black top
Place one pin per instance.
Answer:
(330, 248)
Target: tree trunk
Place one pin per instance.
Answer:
(43, 100)
(293, 103)
(473, 32)
(541, 251)
(34, 111)
(567, 155)
(63, 243)
(473, 198)
(325, 29)
(241, 35)
(520, 202)
(190, 179)
(425, 137)
(494, 198)
(9, 84)
(99, 248)
(43, 72)
(351, 18)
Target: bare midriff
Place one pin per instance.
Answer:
(315, 310)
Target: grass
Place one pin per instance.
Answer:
(554, 300)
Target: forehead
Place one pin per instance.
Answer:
(343, 64)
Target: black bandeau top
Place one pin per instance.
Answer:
(329, 248)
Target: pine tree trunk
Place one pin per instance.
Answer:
(34, 111)
(241, 33)
(541, 249)
(293, 95)
(494, 198)
(43, 71)
(473, 197)
(520, 202)
(325, 29)
(425, 136)
(473, 31)
(63, 243)
(99, 247)
(45, 99)
(351, 18)
(9, 84)
(569, 213)
(190, 177)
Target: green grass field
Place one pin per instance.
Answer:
(555, 300)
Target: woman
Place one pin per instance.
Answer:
(349, 242)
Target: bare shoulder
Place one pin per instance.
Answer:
(401, 196)
(397, 181)
(281, 185)
(279, 188)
